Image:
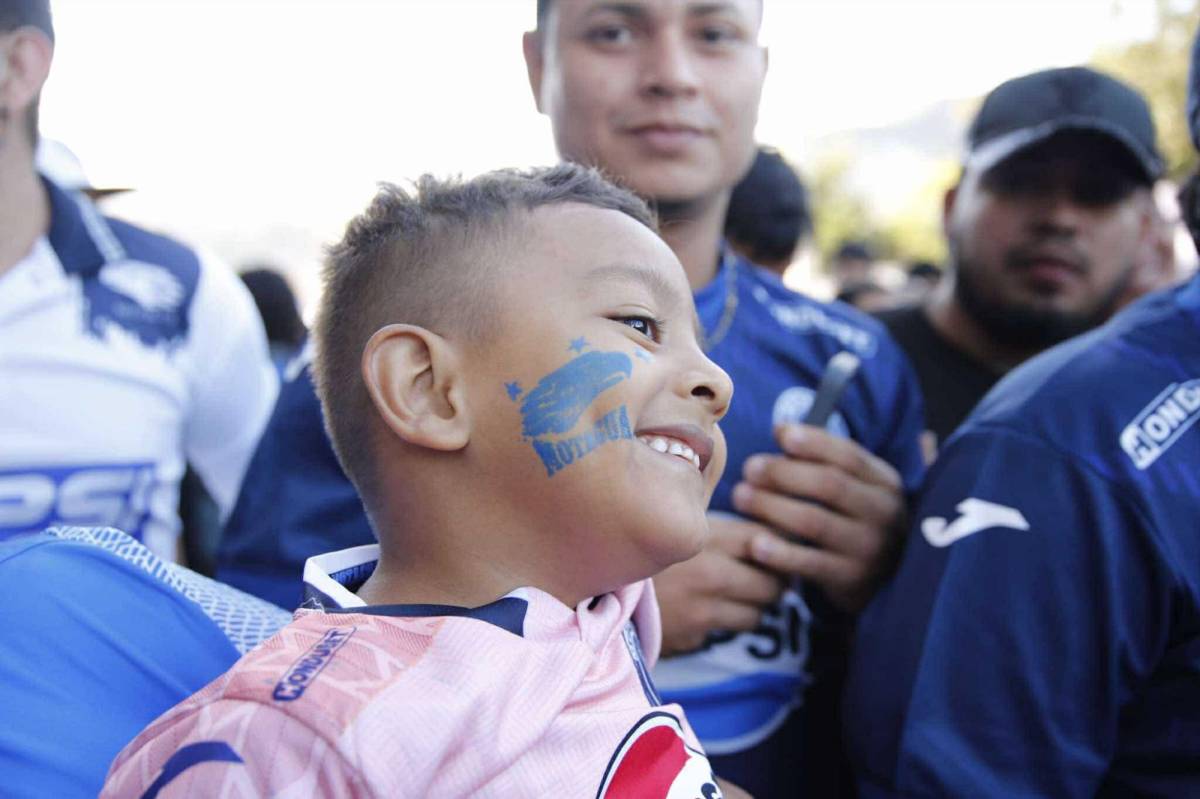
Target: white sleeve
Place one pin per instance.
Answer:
(232, 383)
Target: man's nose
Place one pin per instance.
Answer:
(1058, 213)
(669, 68)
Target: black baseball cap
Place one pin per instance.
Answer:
(1029, 110)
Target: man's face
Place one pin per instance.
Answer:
(1045, 242)
(601, 407)
(661, 94)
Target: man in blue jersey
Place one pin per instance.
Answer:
(1042, 635)
(663, 95)
(124, 355)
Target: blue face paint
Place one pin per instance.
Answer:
(578, 345)
(642, 355)
(557, 455)
(555, 404)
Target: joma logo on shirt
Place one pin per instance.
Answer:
(1161, 423)
(310, 664)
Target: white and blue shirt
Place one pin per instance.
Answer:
(124, 356)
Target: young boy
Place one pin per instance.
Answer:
(510, 375)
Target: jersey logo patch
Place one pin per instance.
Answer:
(793, 404)
(977, 515)
(1160, 424)
(146, 300)
(655, 762)
(301, 674)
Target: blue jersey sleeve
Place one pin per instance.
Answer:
(1031, 601)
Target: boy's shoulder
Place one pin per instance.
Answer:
(303, 691)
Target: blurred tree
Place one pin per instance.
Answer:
(1158, 67)
(915, 232)
(840, 213)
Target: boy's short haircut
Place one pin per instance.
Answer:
(427, 258)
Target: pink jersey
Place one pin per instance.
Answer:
(523, 697)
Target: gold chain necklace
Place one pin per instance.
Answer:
(729, 310)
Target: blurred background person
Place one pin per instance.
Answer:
(867, 296)
(769, 217)
(1049, 227)
(852, 264)
(921, 278)
(123, 355)
(280, 315)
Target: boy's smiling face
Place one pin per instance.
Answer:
(594, 407)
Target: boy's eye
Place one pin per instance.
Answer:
(647, 326)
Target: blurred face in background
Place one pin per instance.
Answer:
(661, 94)
(1045, 243)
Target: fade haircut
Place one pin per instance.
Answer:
(19, 14)
(425, 258)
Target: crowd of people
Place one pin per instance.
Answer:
(565, 493)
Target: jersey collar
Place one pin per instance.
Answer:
(330, 581)
(79, 236)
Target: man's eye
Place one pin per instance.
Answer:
(610, 34)
(717, 35)
(648, 327)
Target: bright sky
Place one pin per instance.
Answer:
(259, 127)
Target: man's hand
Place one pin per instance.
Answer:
(719, 589)
(831, 493)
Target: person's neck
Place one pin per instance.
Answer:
(693, 230)
(24, 207)
(952, 321)
(465, 554)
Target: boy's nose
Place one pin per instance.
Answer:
(709, 383)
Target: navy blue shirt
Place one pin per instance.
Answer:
(1042, 635)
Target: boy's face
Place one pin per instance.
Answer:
(598, 409)
(661, 94)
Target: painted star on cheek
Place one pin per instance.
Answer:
(578, 345)
(514, 390)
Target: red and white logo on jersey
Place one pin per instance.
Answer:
(654, 761)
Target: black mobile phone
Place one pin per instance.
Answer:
(838, 373)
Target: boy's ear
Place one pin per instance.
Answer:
(415, 380)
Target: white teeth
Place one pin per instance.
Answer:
(669, 446)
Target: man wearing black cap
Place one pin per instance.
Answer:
(1042, 634)
(1048, 229)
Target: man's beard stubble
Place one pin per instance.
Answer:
(1022, 328)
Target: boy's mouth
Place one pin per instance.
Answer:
(685, 442)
